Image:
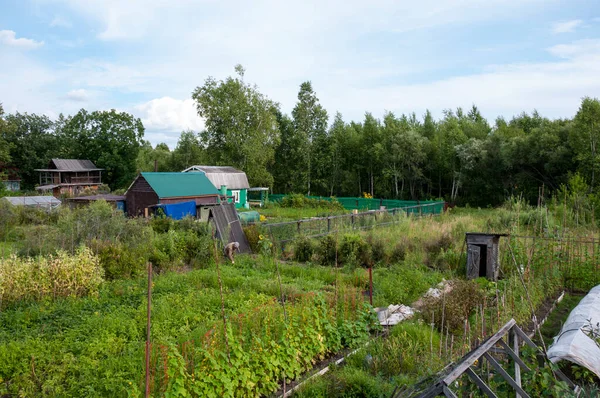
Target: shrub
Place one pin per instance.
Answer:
(438, 244)
(455, 307)
(119, 260)
(253, 236)
(402, 247)
(161, 224)
(378, 252)
(354, 249)
(303, 249)
(61, 275)
(298, 201)
(327, 250)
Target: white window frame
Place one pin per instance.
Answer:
(236, 196)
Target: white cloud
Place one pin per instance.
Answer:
(61, 22)
(9, 38)
(79, 95)
(576, 49)
(567, 26)
(170, 115)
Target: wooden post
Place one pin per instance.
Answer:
(517, 367)
(371, 285)
(155, 165)
(146, 212)
(148, 331)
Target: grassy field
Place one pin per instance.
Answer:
(238, 330)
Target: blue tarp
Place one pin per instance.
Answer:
(179, 210)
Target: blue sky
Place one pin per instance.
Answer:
(146, 56)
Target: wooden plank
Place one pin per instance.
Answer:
(517, 366)
(448, 392)
(526, 339)
(480, 383)
(477, 353)
(514, 355)
(505, 375)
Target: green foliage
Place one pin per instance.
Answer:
(450, 310)
(120, 260)
(253, 235)
(354, 249)
(110, 139)
(241, 127)
(299, 201)
(328, 250)
(303, 249)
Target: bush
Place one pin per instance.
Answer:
(298, 201)
(62, 275)
(402, 247)
(378, 252)
(161, 224)
(253, 235)
(327, 250)
(303, 249)
(119, 260)
(455, 307)
(354, 249)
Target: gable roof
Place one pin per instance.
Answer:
(168, 185)
(71, 165)
(223, 175)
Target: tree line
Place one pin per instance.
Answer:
(460, 157)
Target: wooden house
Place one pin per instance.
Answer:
(231, 182)
(69, 177)
(151, 189)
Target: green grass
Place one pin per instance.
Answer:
(7, 248)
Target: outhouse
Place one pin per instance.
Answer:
(483, 258)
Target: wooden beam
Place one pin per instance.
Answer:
(481, 384)
(478, 352)
(515, 356)
(448, 392)
(505, 375)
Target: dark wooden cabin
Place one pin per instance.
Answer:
(69, 177)
(149, 189)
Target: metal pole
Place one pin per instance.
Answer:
(148, 331)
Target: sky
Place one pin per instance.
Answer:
(147, 56)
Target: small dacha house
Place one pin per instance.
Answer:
(231, 182)
(151, 189)
(69, 177)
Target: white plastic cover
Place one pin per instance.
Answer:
(572, 344)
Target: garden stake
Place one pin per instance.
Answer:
(222, 300)
(371, 285)
(148, 330)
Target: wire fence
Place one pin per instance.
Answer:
(284, 232)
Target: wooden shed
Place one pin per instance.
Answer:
(149, 189)
(483, 256)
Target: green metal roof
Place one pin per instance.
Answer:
(168, 185)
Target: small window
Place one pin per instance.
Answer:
(236, 196)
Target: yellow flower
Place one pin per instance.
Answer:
(261, 237)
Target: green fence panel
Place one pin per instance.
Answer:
(352, 203)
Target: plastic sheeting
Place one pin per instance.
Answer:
(45, 202)
(573, 344)
(177, 211)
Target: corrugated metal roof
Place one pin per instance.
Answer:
(35, 201)
(169, 185)
(223, 175)
(74, 165)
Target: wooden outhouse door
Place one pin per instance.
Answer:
(473, 261)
